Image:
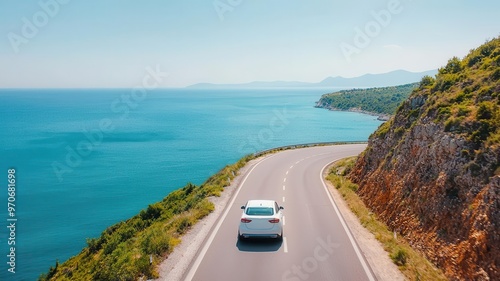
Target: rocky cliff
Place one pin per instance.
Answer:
(432, 171)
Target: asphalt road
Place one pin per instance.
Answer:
(316, 246)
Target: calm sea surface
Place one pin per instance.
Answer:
(86, 159)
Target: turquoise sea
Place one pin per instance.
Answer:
(86, 159)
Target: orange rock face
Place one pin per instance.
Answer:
(432, 171)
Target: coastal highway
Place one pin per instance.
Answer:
(317, 244)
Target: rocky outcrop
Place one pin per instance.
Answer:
(432, 171)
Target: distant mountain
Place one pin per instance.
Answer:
(256, 84)
(394, 78)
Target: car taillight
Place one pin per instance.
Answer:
(274, 221)
(244, 220)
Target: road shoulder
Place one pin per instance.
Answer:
(380, 263)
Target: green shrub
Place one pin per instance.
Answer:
(383, 129)
(495, 76)
(203, 208)
(483, 130)
(462, 110)
(399, 257)
(156, 242)
(188, 188)
(452, 124)
(353, 187)
(445, 81)
(444, 111)
(454, 65)
(485, 111)
(183, 224)
(427, 81)
(94, 244)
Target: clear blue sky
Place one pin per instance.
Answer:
(97, 43)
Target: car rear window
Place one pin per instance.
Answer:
(260, 211)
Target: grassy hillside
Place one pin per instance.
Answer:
(432, 173)
(134, 248)
(375, 100)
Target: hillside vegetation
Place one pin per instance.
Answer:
(432, 172)
(382, 101)
(133, 249)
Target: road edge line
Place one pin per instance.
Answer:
(357, 250)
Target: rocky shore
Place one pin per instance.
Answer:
(380, 116)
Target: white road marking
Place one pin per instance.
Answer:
(285, 245)
(361, 258)
(291, 167)
(284, 187)
(287, 172)
(283, 220)
(283, 199)
(284, 180)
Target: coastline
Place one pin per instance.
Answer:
(177, 156)
(380, 116)
(174, 263)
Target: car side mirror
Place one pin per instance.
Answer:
(282, 208)
(243, 207)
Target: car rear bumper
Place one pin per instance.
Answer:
(246, 235)
(274, 232)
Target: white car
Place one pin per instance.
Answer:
(261, 218)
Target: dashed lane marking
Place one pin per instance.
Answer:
(285, 245)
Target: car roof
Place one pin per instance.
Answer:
(260, 203)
